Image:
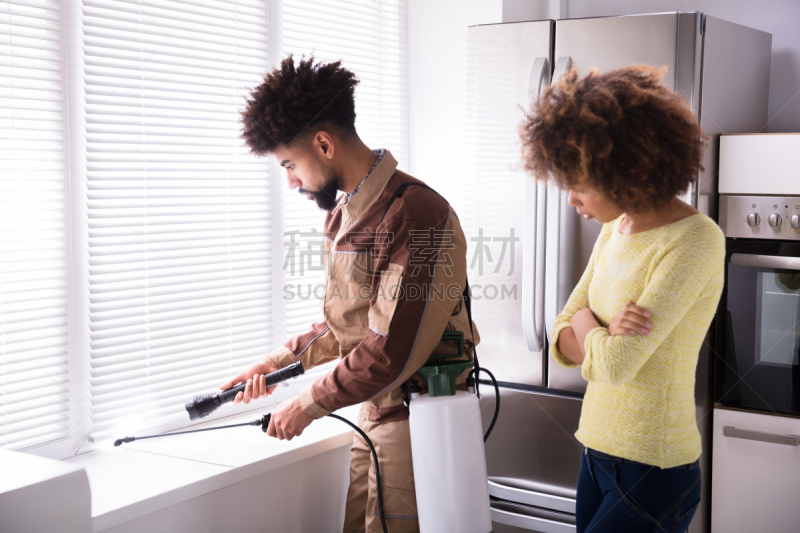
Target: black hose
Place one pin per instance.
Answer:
(377, 467)
(264, 423)
(496, 404)
(476, 367)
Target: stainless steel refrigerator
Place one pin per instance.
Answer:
(722, 69)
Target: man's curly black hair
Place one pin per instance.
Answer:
(296, 100)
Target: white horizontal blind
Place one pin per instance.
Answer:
(33, 292)
(369, 37)
(178, 211)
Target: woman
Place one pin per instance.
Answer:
(625, 146)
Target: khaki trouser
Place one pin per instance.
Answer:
(392, 441)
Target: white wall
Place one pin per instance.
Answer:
(437, 70)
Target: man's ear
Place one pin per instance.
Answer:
(323, 142)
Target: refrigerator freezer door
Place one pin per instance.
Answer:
(605, 44)
(532, 456)
(616, 42)
(502, 61)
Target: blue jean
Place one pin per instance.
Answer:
(616, 495)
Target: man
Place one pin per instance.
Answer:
(394, 280)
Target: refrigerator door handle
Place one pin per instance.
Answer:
(534, 232)
(563, 64)
(539, 79)
(766, 261)
(531, 497)
(533, 523)
(556, 204)
(773, 438)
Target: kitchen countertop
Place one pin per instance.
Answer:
(139, 478)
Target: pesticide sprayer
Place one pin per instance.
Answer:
(446, 441)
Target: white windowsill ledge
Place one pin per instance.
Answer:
(142, 477)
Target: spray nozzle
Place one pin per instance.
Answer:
(471, 385)
(414, 390)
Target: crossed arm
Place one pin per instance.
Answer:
(631, 320)
(681, 275)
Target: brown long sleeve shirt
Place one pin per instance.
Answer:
(392, 287)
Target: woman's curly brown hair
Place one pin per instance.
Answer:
(292, 100)
(621, 133)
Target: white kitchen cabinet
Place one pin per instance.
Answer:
(755, 484)
(744, 158)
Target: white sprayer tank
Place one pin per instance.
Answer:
(449, 464)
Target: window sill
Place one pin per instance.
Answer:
(142, 477)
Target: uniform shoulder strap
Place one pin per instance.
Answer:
(399, 191)
(465, 296)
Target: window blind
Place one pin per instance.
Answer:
(34, 400)
(178, 211)
(369, 36)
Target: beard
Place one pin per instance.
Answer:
(325, 198)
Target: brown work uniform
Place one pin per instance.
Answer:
(392, 287)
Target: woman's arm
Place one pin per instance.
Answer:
(631, 320)
(569, 347)
(676, 283)
(579, 299)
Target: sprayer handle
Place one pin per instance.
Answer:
(228, 395)
(273, 378)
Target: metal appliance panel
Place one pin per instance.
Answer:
(614, 42)
(605, 44)
(735, 93)
(532, 456)
(511, 517)
(501, 61)
(756, 474)
(734, 99)
(752, 217)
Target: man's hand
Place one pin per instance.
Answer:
(288, 420)
(256, 384)
(631, 320)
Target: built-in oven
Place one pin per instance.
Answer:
(758, 324)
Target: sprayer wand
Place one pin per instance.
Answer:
(263, 422)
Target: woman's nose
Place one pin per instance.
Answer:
(573, 200)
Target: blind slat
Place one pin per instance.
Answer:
(33, 303)
(181, 256)
(178, 211)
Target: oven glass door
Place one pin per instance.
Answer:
(758, 327)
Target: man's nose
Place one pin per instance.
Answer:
(294, 183)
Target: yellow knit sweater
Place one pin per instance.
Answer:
(639, 401)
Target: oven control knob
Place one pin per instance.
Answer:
(795, 221)
(775, 220)
(753, 219)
